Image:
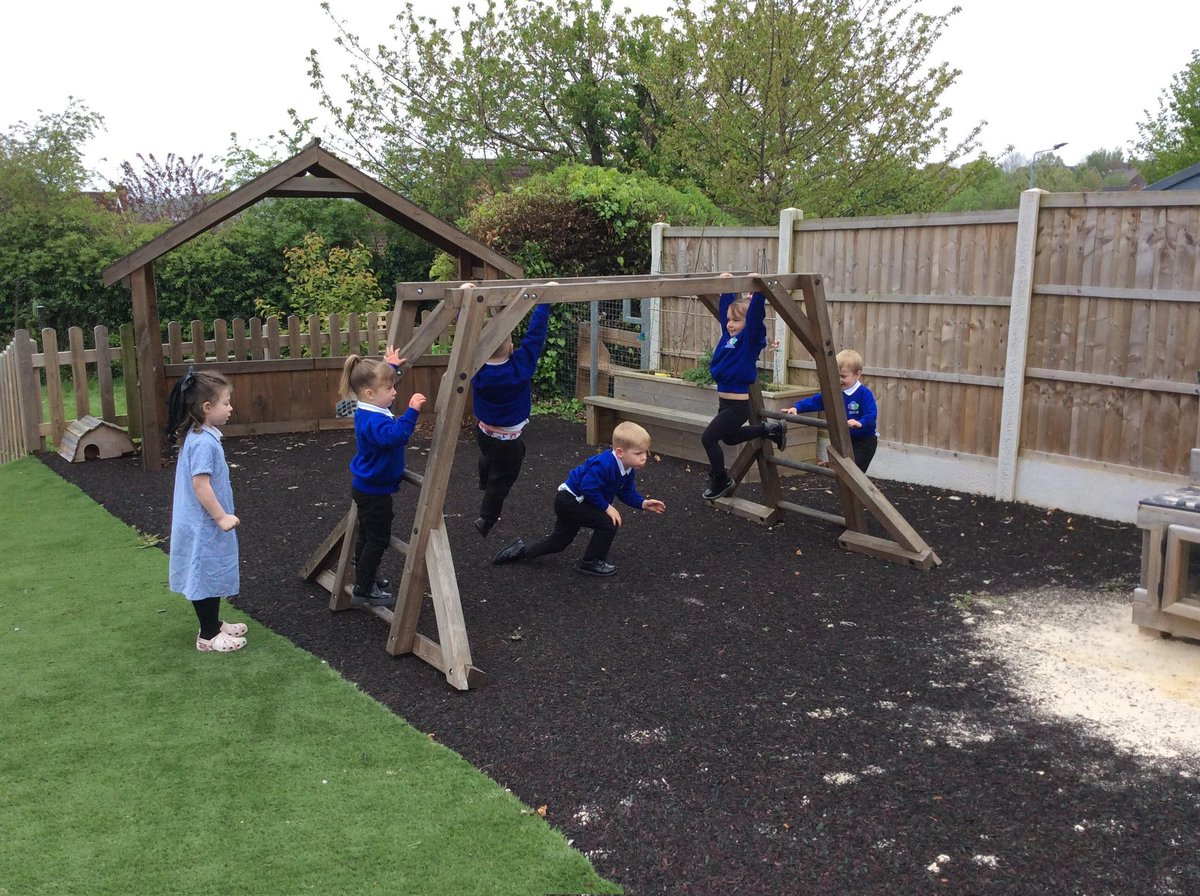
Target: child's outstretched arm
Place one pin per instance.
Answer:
(202, 486)
(654, 505)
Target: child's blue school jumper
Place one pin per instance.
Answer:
(734, 363)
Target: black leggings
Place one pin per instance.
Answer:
(728, 427)
(208, 611)
(570, 516)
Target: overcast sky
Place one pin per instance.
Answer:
(171, 77)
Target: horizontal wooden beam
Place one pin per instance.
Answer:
(897, 373)
(884, 298)
(882, 549)
(836, 518)
(1071, 290)
(594, 289)
(324, 187)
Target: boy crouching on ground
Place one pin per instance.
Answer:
(584, 501)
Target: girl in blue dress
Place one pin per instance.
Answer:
(204, 548)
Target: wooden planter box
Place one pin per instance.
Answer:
(675, 412)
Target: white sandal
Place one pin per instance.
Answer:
(221, 643)
(234, 629)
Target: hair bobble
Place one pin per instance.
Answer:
(189, 379)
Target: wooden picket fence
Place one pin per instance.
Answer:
(285, 375)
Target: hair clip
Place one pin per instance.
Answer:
(189, 379)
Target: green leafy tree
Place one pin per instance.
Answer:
(583, 221)
(438, 111)
(831, 106)
(1106, 161)
(1170, 138)
(579, 221)
(985, 185)
(239, 268)
(328, 280)
(55, 239)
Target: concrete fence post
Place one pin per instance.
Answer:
(652, 308)
(1012, 402)
(786, 265)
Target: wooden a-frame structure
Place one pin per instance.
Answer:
(313, 173)
(428, 558)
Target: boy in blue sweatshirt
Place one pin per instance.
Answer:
(862, 413)
(501, 398)
(584, 501)
(734, 367)
(377, 466)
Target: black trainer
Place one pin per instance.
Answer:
(777, 433)
(376, 598)
(515, 551)
(483, 525)
(595, 567)
(718, 489)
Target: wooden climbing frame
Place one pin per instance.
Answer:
(484, 315)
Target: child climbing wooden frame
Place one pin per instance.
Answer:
(857, 493)
(428, 556)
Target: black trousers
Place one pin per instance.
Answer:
(499, 466)
(864, 451)
(728, 427)
(570, 516)
(374, 536)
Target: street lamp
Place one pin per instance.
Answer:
(1033, 161)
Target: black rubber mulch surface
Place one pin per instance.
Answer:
(739, 709)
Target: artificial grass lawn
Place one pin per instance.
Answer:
(131, 763)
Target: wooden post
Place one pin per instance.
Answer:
(429, 556)
(817, 311)
(108, 405)
(152, 378)
(54, 390)
(29, 392)
(129, 373)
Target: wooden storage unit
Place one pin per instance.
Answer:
(1168, 598)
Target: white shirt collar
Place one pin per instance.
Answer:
(852, 389)
(212, 429)
(620, 466)
(375, 409)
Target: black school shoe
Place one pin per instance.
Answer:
(777, 433)
(483, 525)
(595, 567)
(718, 489)
(515, 551)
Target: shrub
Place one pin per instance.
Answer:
(578, 221)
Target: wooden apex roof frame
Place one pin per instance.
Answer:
(311, 173)
(429, 560)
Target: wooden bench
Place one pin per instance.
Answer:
(674, 433)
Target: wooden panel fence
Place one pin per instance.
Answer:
(1104, 286)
